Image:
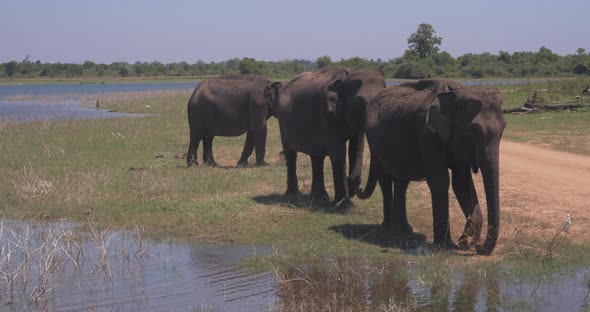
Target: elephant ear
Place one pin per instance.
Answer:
(331, 94)
(467, 109)
(439, 117)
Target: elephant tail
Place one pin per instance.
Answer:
(371, 181)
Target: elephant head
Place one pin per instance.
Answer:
(346, 98)
(469, 123)
(348, 94)
(271, 95)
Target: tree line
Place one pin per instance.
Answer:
(422, 59)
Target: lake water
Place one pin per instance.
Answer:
(62, 101)
(66, 110)
(33, 90)
(63, 266)
(72, 267)
(7, 91)
(64, 98)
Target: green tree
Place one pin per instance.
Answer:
(123, 72)
(545, 55)
(323, 61)
(412, 70)
(505, 57)
(88, 64)
(10, 68)
(249, 65)
(424, 41)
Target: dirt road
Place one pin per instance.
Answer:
(540, 186)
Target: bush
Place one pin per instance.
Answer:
(412, 70)
(473, 72)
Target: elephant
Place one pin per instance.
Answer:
(419, 130)
(318, 113)
(231, 106)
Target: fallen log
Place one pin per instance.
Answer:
(539, 108)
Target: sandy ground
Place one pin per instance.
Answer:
(539, 186)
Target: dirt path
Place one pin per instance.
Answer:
(540, 186)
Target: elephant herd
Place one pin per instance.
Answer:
(415, 131)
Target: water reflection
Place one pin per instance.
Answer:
(66, 266)
(355, 284)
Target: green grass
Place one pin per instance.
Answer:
(567, 130)
(58, 169)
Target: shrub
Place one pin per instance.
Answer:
(412, 70)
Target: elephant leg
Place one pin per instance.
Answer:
(260, 144)
(467, 196)
(400, 188)
(247, 151)
(208, 151)
(292, 183)
(318, 188)
(191, 155)
(439, 189)
(339, 174)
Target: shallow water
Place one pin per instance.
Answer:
(133, 276)
(65, 110)
(65, 89)
(65, 266)
(343, 283)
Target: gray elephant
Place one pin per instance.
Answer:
(231, 106)
(319, 112)
(418, 131)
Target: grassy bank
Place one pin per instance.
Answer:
(567, 130)
(128, 172)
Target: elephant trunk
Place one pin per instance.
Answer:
(371, 182)
(356, 147)
(491, 179)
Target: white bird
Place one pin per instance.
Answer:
(148, 106)
(567, 223)
(87, 212)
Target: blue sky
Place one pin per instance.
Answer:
(215, 30)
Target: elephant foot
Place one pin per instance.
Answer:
(211, 163)
(292, 193)
(484, 249)
(395, 228)
(463, 242)
(243, 163)
(319, 195)
(446, 244)
(262, 164)
(193, 162)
